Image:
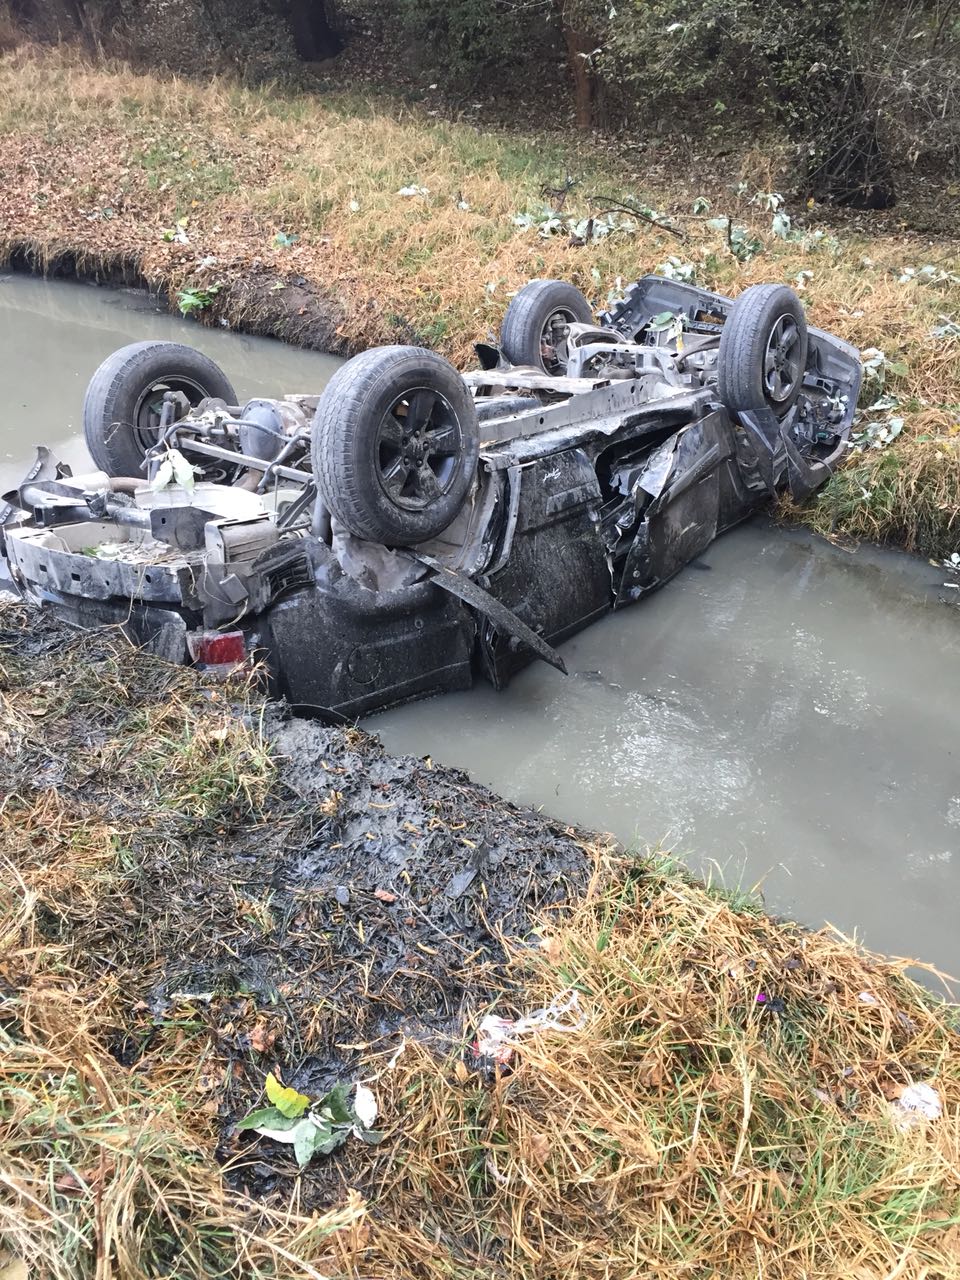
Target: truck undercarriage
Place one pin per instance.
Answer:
(411, 527)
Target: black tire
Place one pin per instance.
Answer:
(532, 326)
(384, 479)
(763, 350)
(120, 417)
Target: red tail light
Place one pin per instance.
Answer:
(218, 648)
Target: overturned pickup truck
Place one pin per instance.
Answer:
(412, 527)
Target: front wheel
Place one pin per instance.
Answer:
(395, 445)
(763, 350)
(121, 410)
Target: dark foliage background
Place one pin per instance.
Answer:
(862, 89)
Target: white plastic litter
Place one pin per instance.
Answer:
(917, 1102)
(365, 1106)
(496, 1036)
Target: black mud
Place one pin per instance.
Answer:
(362, 899)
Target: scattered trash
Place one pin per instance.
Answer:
(414, 191)
(318, 1127)
(775, 1004)
(365, 1106)
(916, 1103)
(867, 997)
(493, 1050)
(177, 234)
(461, 882)
(398, 1054)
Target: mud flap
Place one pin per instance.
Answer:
(557, 578)
(337, 650)
(768, 434)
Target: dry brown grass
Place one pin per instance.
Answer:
(106, 1170)
(687, 1130)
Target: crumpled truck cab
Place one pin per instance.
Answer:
(411, 527)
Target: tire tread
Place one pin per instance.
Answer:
(339, 421)
(743, 341)
(524, 318)
(116, 452)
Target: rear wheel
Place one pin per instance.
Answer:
(763, 350)
(395, 445)
(537, 323)
(121, 410)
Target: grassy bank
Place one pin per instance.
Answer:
(282, 212)
(195, 893)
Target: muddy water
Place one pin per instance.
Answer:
(53, 334)
(786, 713)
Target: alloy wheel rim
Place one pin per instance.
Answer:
(418, 449)
(781, 359)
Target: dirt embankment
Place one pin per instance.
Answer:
(289, 888)
(197, 891)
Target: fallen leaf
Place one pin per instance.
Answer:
(262, 1038)
(537, 1148)
(288, 1101)
(551, 948)
(68, 1184)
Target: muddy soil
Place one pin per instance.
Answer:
(361, 900)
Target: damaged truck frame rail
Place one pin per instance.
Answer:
(412, 526)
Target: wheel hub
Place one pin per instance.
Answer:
(782, 366)
(418, 448)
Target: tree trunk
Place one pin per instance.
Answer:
(59, 20)
(578, 49)
(311, 25)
